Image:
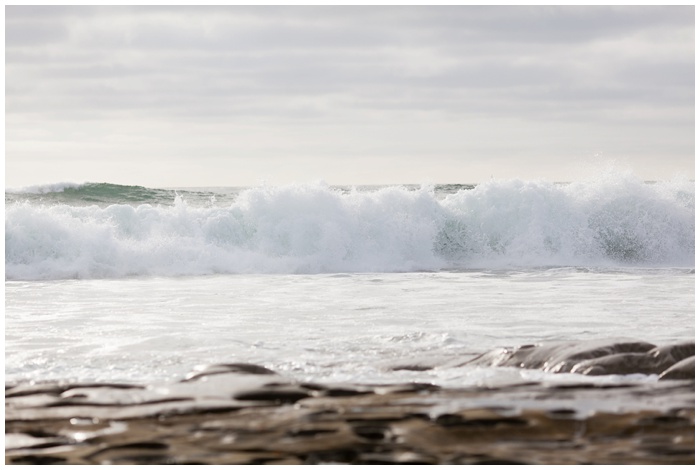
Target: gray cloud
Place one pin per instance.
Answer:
(344, 66)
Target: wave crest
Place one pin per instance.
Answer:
(318, 229)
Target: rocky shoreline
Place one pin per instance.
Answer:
(247, 414)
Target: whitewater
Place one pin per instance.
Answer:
(110, 282)
(108, 231)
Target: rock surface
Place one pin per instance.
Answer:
(597, 357)
(246, 414)
(684, 369)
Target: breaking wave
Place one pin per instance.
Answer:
(105, 230)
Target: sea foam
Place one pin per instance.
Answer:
(616, 220)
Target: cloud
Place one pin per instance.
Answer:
(336, 67)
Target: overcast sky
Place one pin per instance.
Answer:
(230, 96)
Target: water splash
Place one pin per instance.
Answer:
(614, 220)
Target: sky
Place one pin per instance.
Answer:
(238, 96)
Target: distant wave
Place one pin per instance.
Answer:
(615, 221)
(90, 193)
(44, 188)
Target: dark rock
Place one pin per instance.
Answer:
(559, 357)
(233, 368)
(597, 357)
(38, 460)
(412, 367)
(674, 352)
(289, 394)
(345, 392)
(623, 364)
(684, 369)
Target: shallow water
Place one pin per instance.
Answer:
(330, 327)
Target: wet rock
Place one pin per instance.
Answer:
(276, 394)
(617, 424)
(674, 352)
(597, 357)
(233, 368)
(234, 414)
(684, 369)
(623, 364)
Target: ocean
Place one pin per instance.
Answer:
(365, 284)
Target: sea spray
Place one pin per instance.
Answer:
(105, 231)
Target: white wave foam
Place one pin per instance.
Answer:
(314, 228)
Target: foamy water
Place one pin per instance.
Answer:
(126, 283)
(330, 327)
